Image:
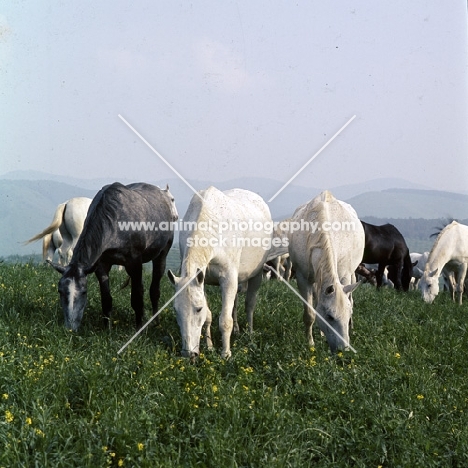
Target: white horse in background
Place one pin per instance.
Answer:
(220, 257)
(51, 244)
(281, 265)
(450, 251)
(420, 261)
(68, 219)
(325, 261)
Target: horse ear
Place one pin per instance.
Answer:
(172, 278)
(167, 187)
(200, 276)
(351, 287)
(58, 267)
(433, 272)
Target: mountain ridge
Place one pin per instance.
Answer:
(27, 205)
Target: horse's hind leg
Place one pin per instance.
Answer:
(136, 275)
(461, 282)
(102, 275)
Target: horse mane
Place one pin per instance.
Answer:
(439, 229)
(101, 218)
(195, 256)
(439, 236)
(321, 238)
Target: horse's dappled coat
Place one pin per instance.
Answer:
(102, 244)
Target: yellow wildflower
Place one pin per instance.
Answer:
(9, 416)
(140, 446)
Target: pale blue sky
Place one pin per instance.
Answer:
(226, 89)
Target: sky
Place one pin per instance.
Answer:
(232, 89)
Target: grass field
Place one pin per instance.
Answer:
(68, 399)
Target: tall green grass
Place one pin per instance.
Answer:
(68, 399)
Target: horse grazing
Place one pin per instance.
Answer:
(449, 252)
(419, 261)
(386, 246)
(227, 255)
(107, 239)
(325, 261)
(68, 220)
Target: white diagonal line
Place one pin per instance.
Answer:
(156, 314)
(310, 307)
(312, 158)
(159, 156)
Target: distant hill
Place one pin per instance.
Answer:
(401, 203)
(27, 206)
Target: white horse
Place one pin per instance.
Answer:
(69, 219)
(281, 265)
(419, 260)
(216, 249)
(450, 251)
(52, 243)
(325, 260)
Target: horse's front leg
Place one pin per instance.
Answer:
(228, 293)
(102, 275)
(251, 297)
(308, 317)
(379, 274)
(234, 315)
(136, 275)
(159, 267)
(209, 315)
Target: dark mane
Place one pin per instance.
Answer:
(439, 229)
(102, 215)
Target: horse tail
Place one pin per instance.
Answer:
(56, 222)
(46, 246)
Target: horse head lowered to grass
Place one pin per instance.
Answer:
(325, 262)
(107, 239)
(220, 257)
(449, 253)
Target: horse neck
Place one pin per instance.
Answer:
(194, 259)
(326, 268)
(440, 254)
(88, 250)
(86, 256)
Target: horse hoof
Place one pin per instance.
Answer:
(226, 354)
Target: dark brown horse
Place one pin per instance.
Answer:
(386, 246)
